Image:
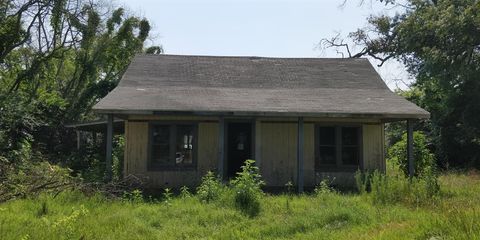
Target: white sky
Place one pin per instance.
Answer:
(268, 28)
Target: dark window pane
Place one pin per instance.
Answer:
(349, 136)
(161, 146)
(327, 155)
(161, 155)
(350, 155)
(161, 134)
(184, 145)
(327, 135)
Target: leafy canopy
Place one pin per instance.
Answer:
(439, 43)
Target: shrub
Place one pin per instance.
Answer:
(210, 188)
(424, 159)
(247, 186)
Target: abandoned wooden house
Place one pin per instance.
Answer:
(301, 119)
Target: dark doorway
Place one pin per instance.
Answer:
(239, 146)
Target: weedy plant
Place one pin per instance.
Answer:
(289, 186)
(135, 196)
(210, 188)
(247, 186)
(361, 182)
(185, 192)
(323, 188)
(386, 189)
(43, 210)
(167, 196)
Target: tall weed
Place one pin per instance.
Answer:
(210, 188)
(247, 186)
(386, 189)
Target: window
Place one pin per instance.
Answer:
(327, 147)
(350, 149)
(172, 146)
(337, 147)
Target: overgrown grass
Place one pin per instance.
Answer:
(323, 215)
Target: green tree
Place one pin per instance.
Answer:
(57, 59)
(439, 43)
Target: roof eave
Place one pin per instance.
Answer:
(386, 116)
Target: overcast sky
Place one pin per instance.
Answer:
(269, 28)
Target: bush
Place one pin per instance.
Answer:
(247, 186)
(210, 189)
(424, 159)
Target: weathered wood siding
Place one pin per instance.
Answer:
(276, 148)
(373, 147)
(136, 154)
(279, 154)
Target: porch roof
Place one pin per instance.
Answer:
(213, 85)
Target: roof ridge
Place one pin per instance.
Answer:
(247, 56)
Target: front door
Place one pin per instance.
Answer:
(239, 146)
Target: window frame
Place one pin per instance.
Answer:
(338, 166)
(172, 142)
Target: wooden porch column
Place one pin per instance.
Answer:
(300, 134)
(108, 158)
(258, 143)
(78, 139)
(411, 163)
(221, 146)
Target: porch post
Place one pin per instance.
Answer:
(300, 144)
(108, 158)
(258, 143)
(221, 146)
(78, 139)
(411, 163)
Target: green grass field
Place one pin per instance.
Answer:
(454, 215)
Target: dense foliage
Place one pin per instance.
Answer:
(424, 159)
(57, 59)
(439, 42)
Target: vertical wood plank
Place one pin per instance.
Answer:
(300, 153)
(309, 155)
(221, 147)
(373, 147)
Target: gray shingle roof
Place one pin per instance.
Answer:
(255, 86)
